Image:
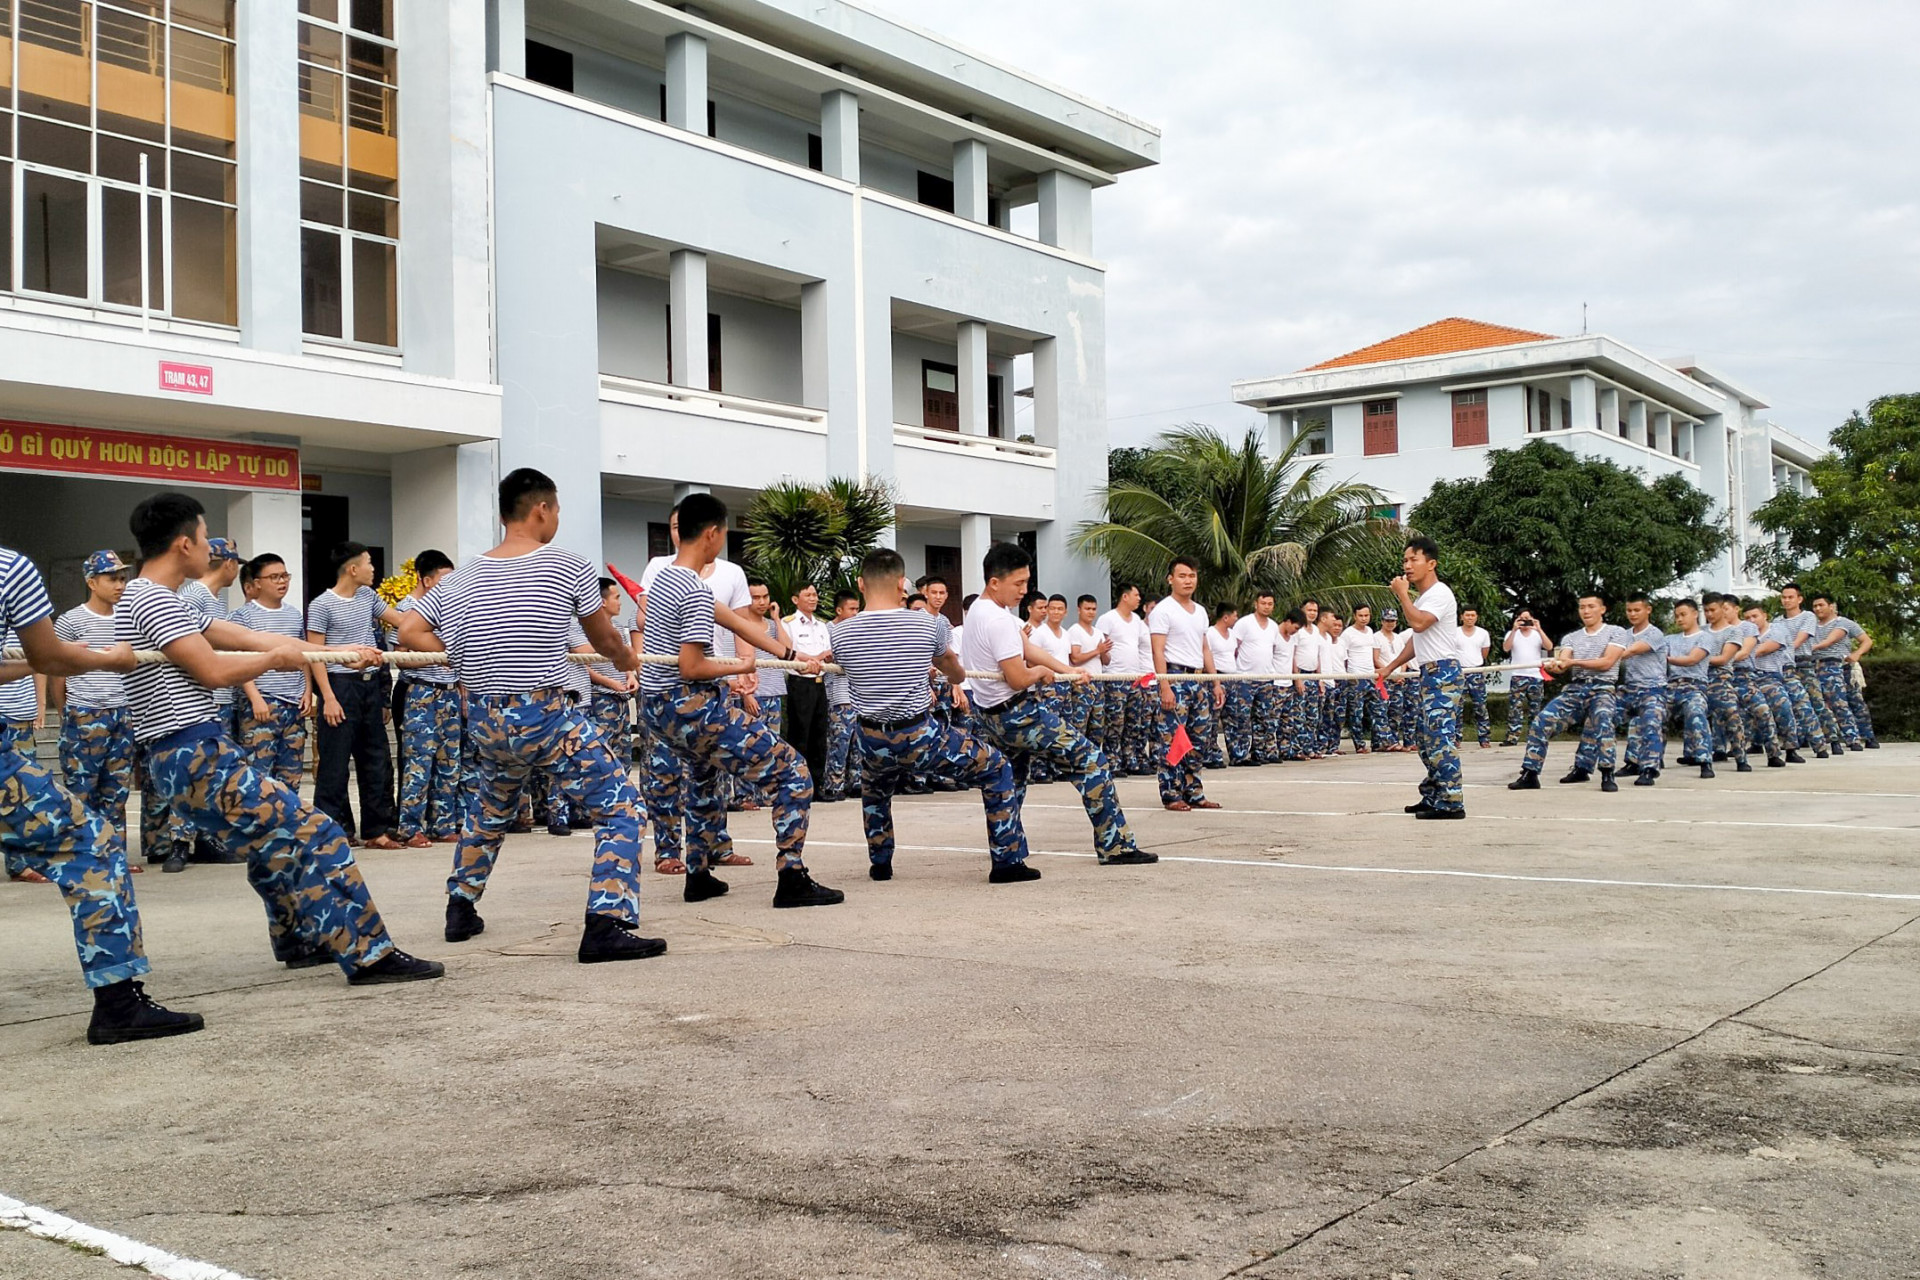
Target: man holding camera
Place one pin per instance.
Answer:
(1526, 690)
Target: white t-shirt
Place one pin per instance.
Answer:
(1223, 650)
(1473, 648)
(1185, 630)
(1333, 654)
(1441, 641)
(991, 635)
(1054, 642)
(1387, 647)
(1283, 650)
(1256, 644)
(1128, 635)
(1306, 649)
(1085, 639)
(958, 634)
(1529, 646)
(1357, 642)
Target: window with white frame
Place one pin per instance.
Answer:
(117, 149)
(349, 172)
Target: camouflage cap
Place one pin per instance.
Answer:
(1391, 614)
(104, 562)
(223, 549)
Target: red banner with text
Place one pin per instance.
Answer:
(133, 455)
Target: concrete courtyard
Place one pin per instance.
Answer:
(1667, 1033)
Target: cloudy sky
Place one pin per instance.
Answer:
(1739, 182)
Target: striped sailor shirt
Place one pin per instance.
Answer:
(887, 653)
(282, 686)
(163, 697)
(679, 611)
(506, 619)
(92, 690)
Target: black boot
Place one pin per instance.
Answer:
(463, 921)
(1741, 766)
(176, 860)
(1646, 778)
(880, 871)
(798, 889)
(607, 939)
(1013, 873)
(702, 885)
(1794, 757)
(1577, 774)
(1719, 757)
(303, 955)
(1776, 762)
(1706, 770)
(396, 966)
(124, 1011)
(1606, 781)
(1529, 780)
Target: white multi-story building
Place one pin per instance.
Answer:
(336, 266)
(1430, 404)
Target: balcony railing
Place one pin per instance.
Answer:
(1031, 455)
(711, 404)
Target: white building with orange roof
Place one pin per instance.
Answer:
(1430, 404)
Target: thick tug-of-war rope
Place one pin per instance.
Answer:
(148, 657)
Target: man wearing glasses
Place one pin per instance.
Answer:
(271, 726)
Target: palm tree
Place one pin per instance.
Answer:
(800, 534)
(1249, 521)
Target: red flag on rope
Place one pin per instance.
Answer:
(627, 584)
(1146, 681)
(1181, 745)
(1380, 683)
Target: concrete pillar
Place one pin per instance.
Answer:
(1663, 431)
(1506, 416)
(445, 498)
(1066, 212)
(1279, 430)
(1581, 413)
(1609, 402)
(687, 82)
(445, 292)
(1046, 392)
(1710, 452)
(682, 490)
(971, 341)
(477, 481)
(1683, 441)
(1637, 423)
(816, 360)
(506, 36)
(970, 179)
(267, 111)
(976, 535)
(840, 135)
(261, 522)
(687, 335)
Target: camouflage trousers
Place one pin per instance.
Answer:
(1023, 728)
(1770, 687)
(1807, 676)
(1849, 708)
(1725, 714)
(611, 714)
(1333, 707)
(51, 832)
(1364, 711)
(1810, 722)
(1688, 700)
(1192, 709)
(1214, 749)
(1526, 695)
(1089, 703)
(772, 712)
(663, 785)
(1644, 709)
(1386, 715)
(430, 736)
(1236, 719)
(843, 753)
(277, 745)
(297, 858)
(1406, 697)
(1125, 726)
(1589, 704)
(1266, 700)
(162, 828)
(1303, 720)
(96, 760)
(708, 734)
(515, 734)
(1763, 733)
(1474, 699)
(1437, 734)
(928, 748)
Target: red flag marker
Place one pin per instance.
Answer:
(1146, 681)
(1181, 745)
(1380, 683)
(627, 584)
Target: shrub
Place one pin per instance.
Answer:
(1893, 697)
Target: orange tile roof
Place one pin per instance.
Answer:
(1436, 339)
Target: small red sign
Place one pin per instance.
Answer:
(194, 379)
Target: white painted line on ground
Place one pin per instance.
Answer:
(17, 1215)
(1536, 817)
(1669, 789)
(1399, 871)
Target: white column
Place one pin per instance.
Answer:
(1066, 211)
(260, 522)
(1580, 402)
(1046, 392)
(1683, 441)
(976, 535)
(267, 110)
(970, 179)
(1663, 431)
(840, 135)
(687, 82)
(687, 335)
(1637, 422)
(506, 35)
(971, 342)
(816, 359)
(1609, 399)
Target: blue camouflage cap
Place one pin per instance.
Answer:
(223, 549)
(104, 562)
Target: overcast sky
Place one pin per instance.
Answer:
(1739, 182)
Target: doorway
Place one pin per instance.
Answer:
(323, 527)
(944, 562)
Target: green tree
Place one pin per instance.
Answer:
(1857, 537)
(1246, 519)
(811, 533)
(1549, 526)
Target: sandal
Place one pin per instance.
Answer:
(383, 843)
(735, 860)
(670, 866)
(29, 876)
